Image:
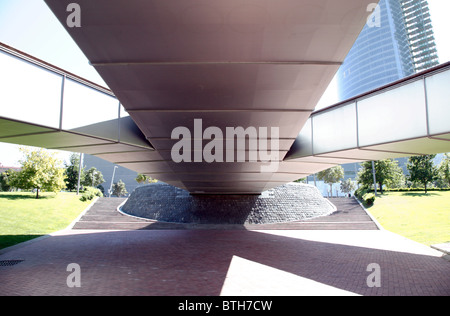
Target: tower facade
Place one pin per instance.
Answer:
(417, 20)
(398, 45)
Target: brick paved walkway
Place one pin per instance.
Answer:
(202, 262)
(227, 262)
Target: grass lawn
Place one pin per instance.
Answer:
(424, 218)
(22, 217)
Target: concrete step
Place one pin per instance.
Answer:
(109, 218)
(316, 226)
(111, 225)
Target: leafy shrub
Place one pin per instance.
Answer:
(361, 191)
(369, 199)
(90, 193)
(119, 189)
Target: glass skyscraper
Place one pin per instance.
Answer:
(398, 45)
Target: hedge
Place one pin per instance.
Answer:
(415, 189)
(90, 193)
(369, 198)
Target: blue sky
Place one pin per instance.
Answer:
(30, 26)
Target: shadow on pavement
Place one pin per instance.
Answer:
(197, 262)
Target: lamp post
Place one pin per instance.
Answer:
(374, 178)
(112, 180)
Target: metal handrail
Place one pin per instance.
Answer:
(52, 68)
(419, 75)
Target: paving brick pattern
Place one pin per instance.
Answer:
(228, 262)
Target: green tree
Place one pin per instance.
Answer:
(444, 169)
(387, 172)
(93, 178)
(41, 170)
(5, 180)
(422, 169)
(331, 175)
(301, 180)
(72, 172)
(347, 186)
(119, 189)
(142, 178)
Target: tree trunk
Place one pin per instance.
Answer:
(381, 187)
(425, 184)
(37, 193)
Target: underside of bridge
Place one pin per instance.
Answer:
(241, 79)
(228, 63)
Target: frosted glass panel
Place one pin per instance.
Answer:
(393, 115)
(438, 93)
(90, 112)
(335, 130)
(29, 93)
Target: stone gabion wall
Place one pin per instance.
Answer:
(289, 202)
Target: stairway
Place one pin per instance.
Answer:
(103, 214)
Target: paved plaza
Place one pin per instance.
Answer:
(218, 261)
